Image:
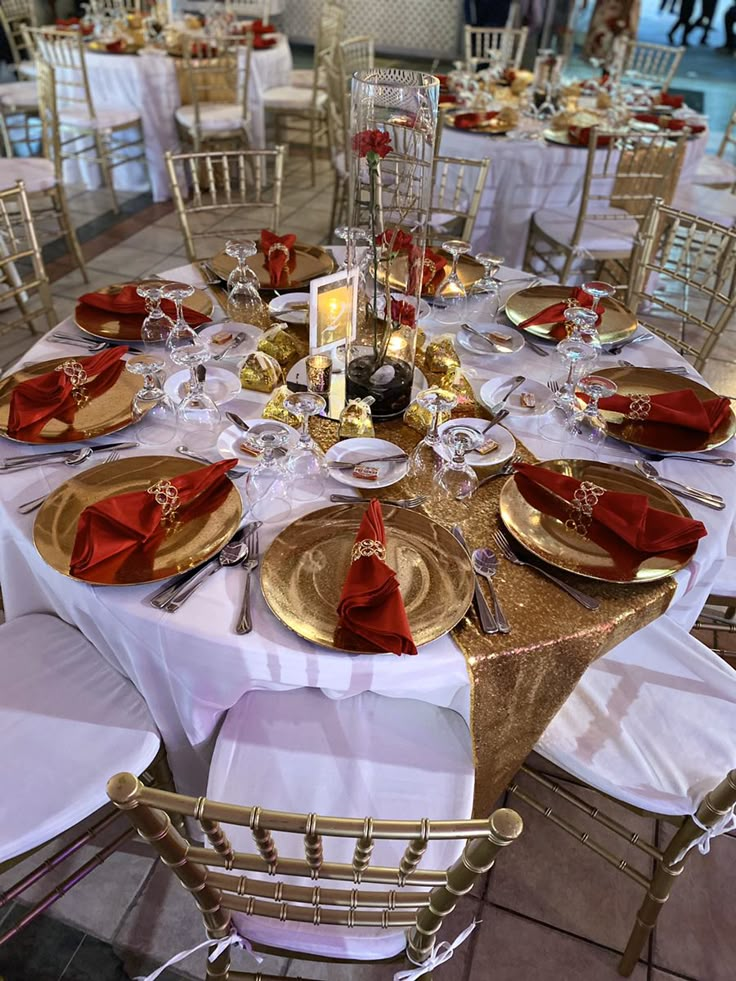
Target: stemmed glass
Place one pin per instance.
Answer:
(244, 298)
(456, 478)
(577, 357)
(306, 462)
(268, 484)
(156, 323)
(451, 294)
(589, 424)
(581, 323)
(425, 461)
(153, 410)
(598, 291)
(485, 293)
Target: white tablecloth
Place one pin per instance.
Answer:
(191, 666)
(526, 175)
(148, 83)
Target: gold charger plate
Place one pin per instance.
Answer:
(188, 544)
(484, 128)
(658, 435)
(617, 323)
(468, 269)
(607, 558)
(100, 48)
(311, 261)
(106, 413)
(100, 323)
(303, 571)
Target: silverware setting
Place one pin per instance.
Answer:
(675, 370)
(488, 621)
(634, 339)
(648, 470)
(250, 564)
(507, 551)
(715, 461)
(231, 474)
(29, 506)
(94, 347)
(402, 502)
(349, 465)
(503, 348)
(70, 457)
(506, 470)
(485, 564)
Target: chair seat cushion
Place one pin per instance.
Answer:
(104, 119)
(37, 173)
(27, 69)
(355, 757)
(708, 203)
(292, 97)
(715, 170)
(301, 78)
(213, 116)
(616, 236)
(18, 95)
(68, 721)
(652, 723)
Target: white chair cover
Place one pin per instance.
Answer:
(652, 723)
(36, 173)
(292, 97)
(362, 756)
(598, 236)
(214, 117)
(715, 170)
(68, 721)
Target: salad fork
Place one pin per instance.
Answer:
(250, 564)
(504, 545)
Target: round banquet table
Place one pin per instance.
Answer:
(191, 667)
(526, 175)
(148, 82)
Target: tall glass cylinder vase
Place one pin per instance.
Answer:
(393, 124)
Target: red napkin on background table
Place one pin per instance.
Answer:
(258, 27)
(433, 269)
(262, 41)
(555, 314)
(127, 301)
(469, 120)
(675, 125)
(629, 516)
(680, 408)
(673, 101)
(130, 525)
(447, 98)
(276, 259)
(580, 136)
(50, 396)
(371, 606)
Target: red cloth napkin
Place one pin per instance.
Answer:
(126, 301)
(580, 136)
(261, 41)
(258, 27)
(673, 101)
(277, 258)
(675, 125)
(371, 606)
(433, 269)
(50, 396)
(126, 526)
(468, 120)
(680, 408)
(448, 98)
(555, 314)
(629, 516)
(198, 49)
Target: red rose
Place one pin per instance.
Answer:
(403, 313)
(394, 239)
(372, 141)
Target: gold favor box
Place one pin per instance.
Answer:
(275, 408)
(260, 372)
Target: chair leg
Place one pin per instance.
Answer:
(313, 148)
(567, 268)
(61, 207)
(104, 161)
(657, 895)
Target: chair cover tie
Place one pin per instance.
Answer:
(724, 824)
(443, 952)
(233, 940)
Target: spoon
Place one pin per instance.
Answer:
(485, 564)
(79, 457)
(231, 554)
(237, 421)
(682, 490)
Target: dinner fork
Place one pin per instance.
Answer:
(250, 564)
(504, 545)
(28, 506)
(553, 386)
(402, 502)
(505, 471)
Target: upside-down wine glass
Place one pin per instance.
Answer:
(268, 484)
(244, 298)
(306, 462)
(456, 478)
(589, 424)
(582, 324)
(451, 294)
(425, 461)
(156, 323)
(598, 291)
(484, 296)
(577, 358)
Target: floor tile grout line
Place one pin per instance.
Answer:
(76, 951)
(133, 902)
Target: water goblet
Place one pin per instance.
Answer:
(456, 478)
(156, 324)
(598, 291)
(577, 358)
(196, 409)
(582, 324)
(244, 298)
(268, 484)
(589, 424)
(153, 410)
(425, 461)
(484, 297)
(451, 294)
(306, 462)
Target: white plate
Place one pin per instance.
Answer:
(495, 389)
(505, 440)
(364, 449)
(229, 440)
(245, 347)
(279, 308)
(474, 344)
(220, 384)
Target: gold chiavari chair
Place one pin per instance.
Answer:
(41, 175)
(22, 272)
(216, 83)
(115, 6)
(338, 116)
(249, 8)
(716, 170)
(86, 132)
(330, 30)
(682, 283)
(457, 187)
(620, 181)
(14, 16)
(502, 46)
(651, 727)
(355, 54)
(242, 186)
(656, 64)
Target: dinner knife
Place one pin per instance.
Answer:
(487, 619)
(58, 456)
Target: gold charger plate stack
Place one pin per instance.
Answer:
(312, 261)
(127, 327)
(469, 270)
(658, 435)
(188, 544)
(608, 558)
(303, 572)
(617, 323)
(106, 413)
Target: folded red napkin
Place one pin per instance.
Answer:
(580, 136)
(371, 607)
(673, 101)
(51, 396)
(447, 98)
(198, 49)
(442, 79)
(469, 120)
(278, 250)
(65, 22)
(629, 516)
(555, 314)
(680, 408)
(664, 122)
(433, 269)
(262, 41)
(258, 27)
(126, 301)
(132, 525)
(116, 47)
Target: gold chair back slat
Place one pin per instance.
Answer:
(355, 54)
(278, 891)
(215, 70)
(654, 63)
(457, 188)
(500, 46)
(15, 15)
(115, 6)
(64, 52)
(729, 136)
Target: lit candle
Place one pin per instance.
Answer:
(333, 311)
(397, 347)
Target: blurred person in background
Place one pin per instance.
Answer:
(610, 19)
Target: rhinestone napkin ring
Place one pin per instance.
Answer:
(367, 547)
(78, 378)
(167, 497)
(580, 508)
(639, 407)
(278, 247)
